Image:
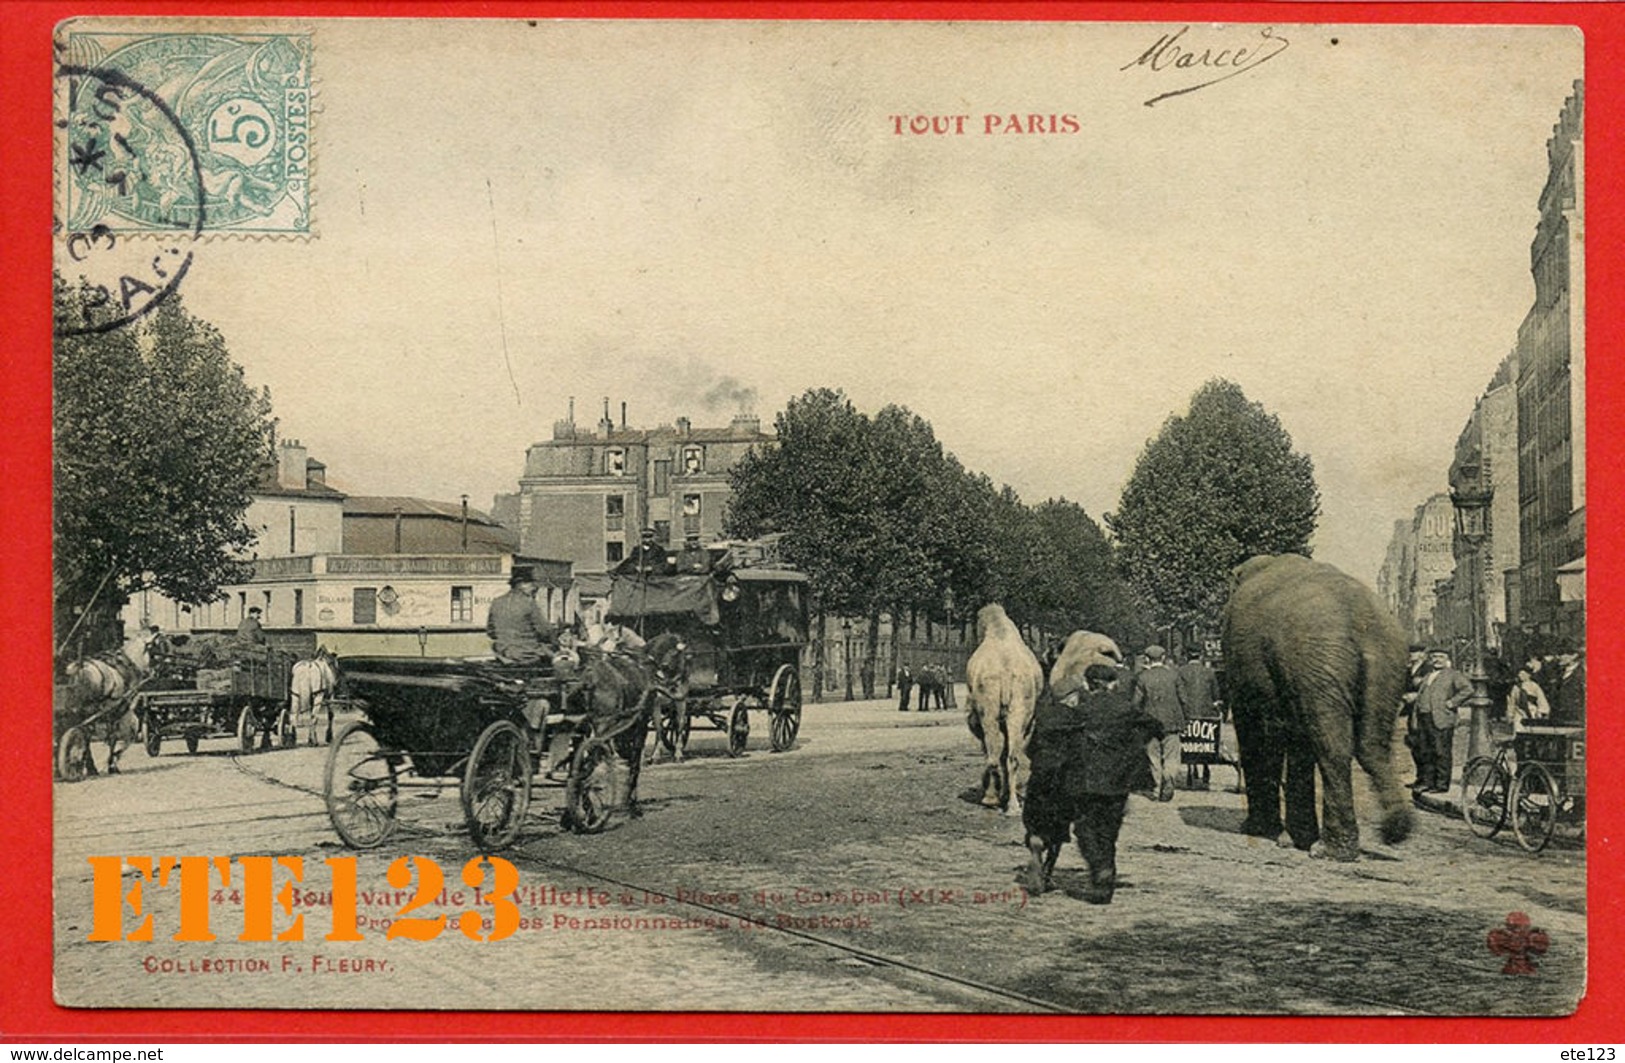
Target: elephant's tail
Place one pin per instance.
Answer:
(1396, 825)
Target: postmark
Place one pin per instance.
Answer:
(109, 128)
(208, 132)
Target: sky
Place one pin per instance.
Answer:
(699, 218)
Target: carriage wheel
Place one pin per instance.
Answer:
(496, 786)
(361, 787)
(786, 708)
(1484, 796)
(1533, 804)
(73, 755)
(738, 728)
(192, 738)
(673, 731)
(589, 795)
(287, 732)
(248, 729)
(154, 738)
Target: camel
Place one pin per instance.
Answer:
(1004, 680)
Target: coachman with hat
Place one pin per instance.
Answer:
(520, 633)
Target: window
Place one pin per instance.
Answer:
(691, 515)
(462, 605)
(242, 604)
(662, 484)
(693, 461)
(614, 513)
(615, 461)
(365, 605)
(298, 606)
(267, 607)
(663, 531)
(614, 551)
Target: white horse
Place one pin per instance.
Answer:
(100, 683)
(313, 681)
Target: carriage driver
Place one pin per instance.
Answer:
(520, 633)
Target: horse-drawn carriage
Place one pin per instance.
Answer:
(744, 623)
(215, 688)
(491, 729)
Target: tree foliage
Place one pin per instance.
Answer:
(884, 520)
(158, 440)
(1216, 486)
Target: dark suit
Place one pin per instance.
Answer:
(518, 630)
(1086, 759)
(1442, 693)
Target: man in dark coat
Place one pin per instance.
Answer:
(520, 633)
(1442, 694)
(1156, 691)
(905, 686)
(1088, 754)
(648, 558)
(249, 631)
(1418, 670)
(1198, 690)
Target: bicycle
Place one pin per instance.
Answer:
(1529, 782)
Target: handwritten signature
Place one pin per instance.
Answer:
(1172, 52)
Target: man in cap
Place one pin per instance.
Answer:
(1442, 694)
(648, 558)
(1199, 699)
(1156, 692)
(520, 632)
(249, 631)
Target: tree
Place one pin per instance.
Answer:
(1216, 486)
(158, 441)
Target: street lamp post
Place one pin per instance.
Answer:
(948, 681)
(1471, 500)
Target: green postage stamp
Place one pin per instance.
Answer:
(197, 132)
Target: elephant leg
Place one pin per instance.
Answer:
(1374, 750)
(1261, 768)
(1302, 825)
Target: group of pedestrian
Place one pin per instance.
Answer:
(1548, 690)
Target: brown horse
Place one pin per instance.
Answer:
(619, 690)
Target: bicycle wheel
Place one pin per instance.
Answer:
(1533, 804)
(1484, 796)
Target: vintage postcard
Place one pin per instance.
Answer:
(577, 515)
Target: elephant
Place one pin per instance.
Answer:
(1003, 680)
(1313, 671)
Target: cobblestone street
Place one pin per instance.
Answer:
(852, 873)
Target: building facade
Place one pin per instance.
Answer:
(1419, 562)
(1551, 396)
(387, 575)
(585, 495)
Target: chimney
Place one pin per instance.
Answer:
(291, 466)
(623, 416)
(745, 424)
(605, 424)
(683, 426)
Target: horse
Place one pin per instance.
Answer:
(310, 686)
(107, 682)
(619, 688)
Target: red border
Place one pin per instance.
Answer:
(27, 1012)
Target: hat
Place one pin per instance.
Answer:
(1417, 647)
(254, 609)
(1155, 652)
(1100, 673)
(522, 574)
